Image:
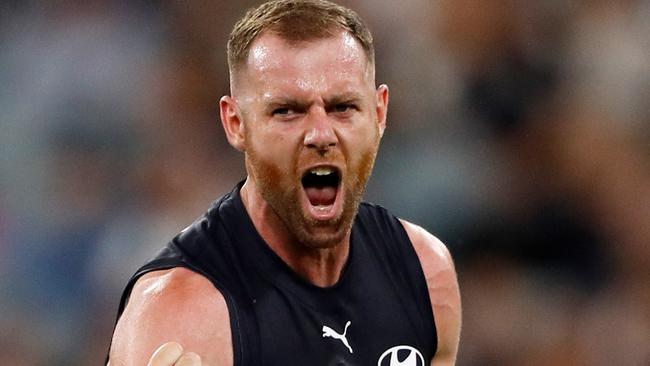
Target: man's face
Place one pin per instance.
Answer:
(312, 123)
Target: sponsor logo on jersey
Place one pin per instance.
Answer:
(329, 332)
(401, 356)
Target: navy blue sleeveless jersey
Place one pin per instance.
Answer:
(378, 313)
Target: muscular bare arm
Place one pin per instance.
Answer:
(440, 274)
(173, 305)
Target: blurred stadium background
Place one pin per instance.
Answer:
(519, 133)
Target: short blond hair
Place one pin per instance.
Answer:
(296, 21)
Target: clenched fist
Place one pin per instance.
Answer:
(171, 354)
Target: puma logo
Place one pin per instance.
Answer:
(329, 332)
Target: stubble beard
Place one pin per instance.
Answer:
(282, 192)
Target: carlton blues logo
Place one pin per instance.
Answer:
(401, 356)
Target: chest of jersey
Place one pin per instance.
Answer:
(376, 314)
(353, 323)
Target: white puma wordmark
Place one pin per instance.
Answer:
(329, 332)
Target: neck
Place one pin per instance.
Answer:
(320, 266)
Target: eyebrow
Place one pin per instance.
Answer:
(337, 99)
(281, 101)
(344, 98)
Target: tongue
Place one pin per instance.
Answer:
(321, 196)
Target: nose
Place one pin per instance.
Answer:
(320, 134)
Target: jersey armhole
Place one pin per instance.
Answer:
(416, 271)
(401, 255)
(162, 264)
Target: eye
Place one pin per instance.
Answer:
(344, 107)
(287, 111)
(283, 111)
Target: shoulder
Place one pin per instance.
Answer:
(442, 283)
(430, 250)
(173, 305)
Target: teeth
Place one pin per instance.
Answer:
(322, 208)
(321, 171)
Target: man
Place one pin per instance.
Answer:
(290, 268)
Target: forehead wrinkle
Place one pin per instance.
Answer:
(278, 63)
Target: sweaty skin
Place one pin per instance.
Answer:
(294, 106)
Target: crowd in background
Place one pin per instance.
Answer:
(518, 133)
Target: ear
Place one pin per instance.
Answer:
(232, 123)
(382, 107)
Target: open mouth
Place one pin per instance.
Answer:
(321, 185)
